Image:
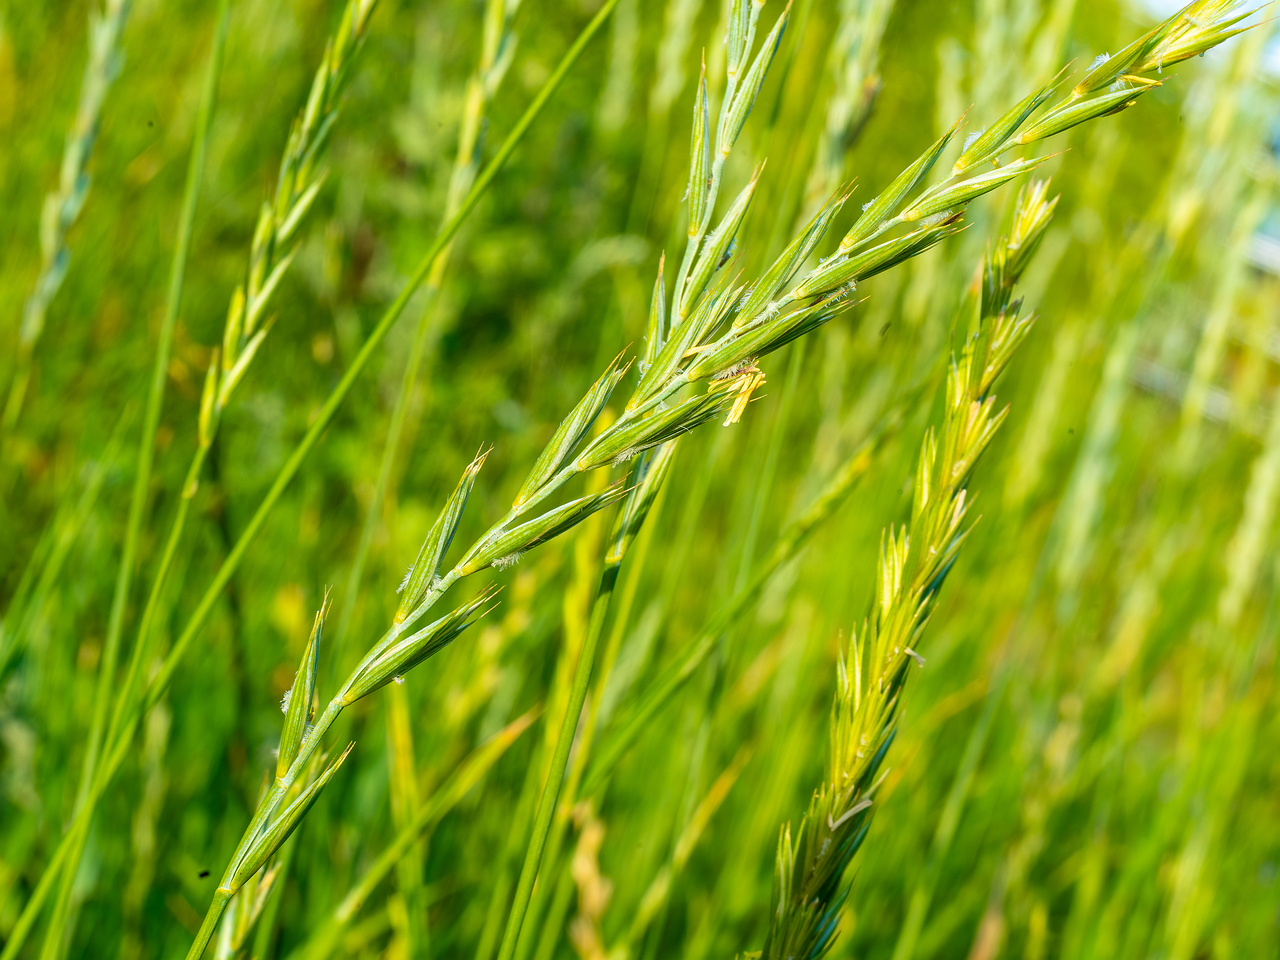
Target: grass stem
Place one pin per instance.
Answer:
(559, 759)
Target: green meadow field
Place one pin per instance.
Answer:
(632, 479)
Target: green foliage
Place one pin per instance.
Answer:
(396, 233)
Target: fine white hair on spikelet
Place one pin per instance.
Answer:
(736, 370)
(510, 560)
(771, 310)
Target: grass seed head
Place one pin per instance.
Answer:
(278, 829)
(426, 568)
(407, 652)
(299, 701)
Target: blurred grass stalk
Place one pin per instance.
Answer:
(61, 925)
(127, 715)
(270, 824)
(497, 48)
(649, 473)
(1164, 538)
(809, 889)
(62, 206)
(297, 188)
(592, 767)
(1079, 869)
(707, 171)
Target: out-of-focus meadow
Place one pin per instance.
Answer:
(1085, 766)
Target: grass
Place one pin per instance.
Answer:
(590, 749)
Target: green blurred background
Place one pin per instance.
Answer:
(1086, 766)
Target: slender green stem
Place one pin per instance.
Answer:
(262, 938)
(522, 814)
(267, 808)
(323, 941)
(561, 896)
(394, 432)
(388, 319)
(62, 541)
(56, 937)
(536, 916)
(210, 925)
(548, 924)
(478, 95)
(155, 397)
(627, 729)
(315, 734)
(127, 696)
(559, 759)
